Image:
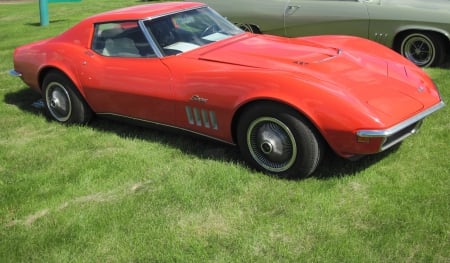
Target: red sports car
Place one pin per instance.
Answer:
(184, 66)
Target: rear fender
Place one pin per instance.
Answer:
(64, 62)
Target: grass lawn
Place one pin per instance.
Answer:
(109, 192)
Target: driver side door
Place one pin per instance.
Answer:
(122, 76)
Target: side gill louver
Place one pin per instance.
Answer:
(202, 118)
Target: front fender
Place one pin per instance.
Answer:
(335, 114)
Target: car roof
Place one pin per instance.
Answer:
(143, 11)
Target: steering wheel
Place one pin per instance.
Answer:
(209, 30)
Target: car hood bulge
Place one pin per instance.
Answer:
(388, 87)
(270, 52)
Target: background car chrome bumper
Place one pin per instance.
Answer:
(400, 131)
(15, 73)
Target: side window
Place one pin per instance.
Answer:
(121, 39)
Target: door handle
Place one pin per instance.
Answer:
(291, 9)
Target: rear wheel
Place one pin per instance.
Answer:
(277, 140)
(63, 101)
(423, 48)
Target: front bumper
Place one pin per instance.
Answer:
(399, 132)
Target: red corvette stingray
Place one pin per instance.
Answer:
(184, 66)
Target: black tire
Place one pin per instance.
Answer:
(249, 28)
(425, 49)
(277, 140)
(62, 100)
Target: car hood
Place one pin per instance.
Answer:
(387, 86)
(271, 52)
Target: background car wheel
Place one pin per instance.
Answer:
(277, 140)
(62, 100)
(249, 28)
(423, 48)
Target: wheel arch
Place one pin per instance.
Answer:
(402, 33)
(47, 69)
(238, 113)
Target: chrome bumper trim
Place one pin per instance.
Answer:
(15, 73)
(412, 124)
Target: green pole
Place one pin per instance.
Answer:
(43, 12)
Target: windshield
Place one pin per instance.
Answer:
(188, 30)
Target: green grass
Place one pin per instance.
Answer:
(109, 192)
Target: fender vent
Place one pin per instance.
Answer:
(202, 118)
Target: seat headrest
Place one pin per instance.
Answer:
(112, 32)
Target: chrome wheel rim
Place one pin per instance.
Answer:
(58, 102)
(419, 49)
(271, 144)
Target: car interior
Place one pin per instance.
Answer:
(122, 42)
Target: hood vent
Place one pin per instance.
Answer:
(317, 58)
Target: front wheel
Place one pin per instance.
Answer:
(63, 101)
(277, 140)
(424, 49)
